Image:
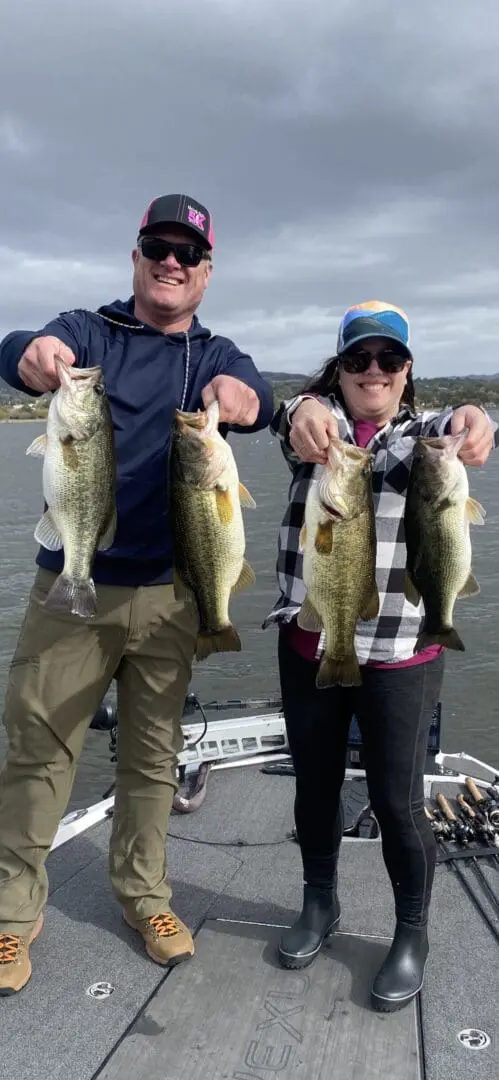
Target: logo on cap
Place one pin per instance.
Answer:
(196, 218)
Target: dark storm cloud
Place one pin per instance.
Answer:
(347, 150)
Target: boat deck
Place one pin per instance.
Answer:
(230, 1012)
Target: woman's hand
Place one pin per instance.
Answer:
(312, 428)
(480, 441)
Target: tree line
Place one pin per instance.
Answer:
(430, 393)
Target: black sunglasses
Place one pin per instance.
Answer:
(389, 361)
(158, 250)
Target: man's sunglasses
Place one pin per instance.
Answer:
(389, 361)
(152, 247)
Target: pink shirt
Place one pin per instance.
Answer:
(305, 643)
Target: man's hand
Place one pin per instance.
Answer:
(480, 441)
(238, 403)
(37, 366)
(312, 428)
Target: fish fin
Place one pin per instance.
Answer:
(302, 539)
(470, 587)
(38, 447)
(225, 508)
(246, 577)
(410, 590)
(225, 640)
(69, 453)
(47, 533)
(245, 498)
(324, 538)
(447, 637)
(475, 511)
(333, 672)
(107, 539)
(72, 597)
(309, 618)
(371, 609)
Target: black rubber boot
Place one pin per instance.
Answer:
(319, 917)
(401, 975)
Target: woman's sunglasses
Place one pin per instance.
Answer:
(389, 361)
(158, 250)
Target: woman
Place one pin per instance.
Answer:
(364, 395)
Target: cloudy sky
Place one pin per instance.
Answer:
(348, 150)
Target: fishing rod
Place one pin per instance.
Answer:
(486, 805)
(481, 828)
(441, 829)
(462, 832)
(487, 812)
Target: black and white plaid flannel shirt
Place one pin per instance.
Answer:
(390, 637)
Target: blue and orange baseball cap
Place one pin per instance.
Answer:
(179, 210)
(373, 319)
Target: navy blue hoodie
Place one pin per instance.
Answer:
(148, 375)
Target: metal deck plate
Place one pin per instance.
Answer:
(232, 1014)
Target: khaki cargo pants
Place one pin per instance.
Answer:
(61, 670)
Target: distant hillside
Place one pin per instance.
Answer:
(431, 393)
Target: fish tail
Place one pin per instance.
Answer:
(73, 596)
(225, 640)
(446, 636)
(334, 672)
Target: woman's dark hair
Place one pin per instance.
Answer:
(326, 381)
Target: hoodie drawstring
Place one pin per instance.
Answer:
(187, 371)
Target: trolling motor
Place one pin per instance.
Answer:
(243, 740)
(191, 790)
(104, 719)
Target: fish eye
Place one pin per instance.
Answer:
(99, 389)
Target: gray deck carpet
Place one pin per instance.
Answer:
(247, 1017)
(54, 1029)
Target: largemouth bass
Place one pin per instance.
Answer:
(437, 519)
(78, 485)
(338, 540)
(208, 530)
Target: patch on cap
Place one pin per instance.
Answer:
(373, 319)
(179, 210)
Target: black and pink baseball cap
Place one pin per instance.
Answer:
(179, 210)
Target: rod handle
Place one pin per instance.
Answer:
(446, 807)
(474, 790)
(461, 801)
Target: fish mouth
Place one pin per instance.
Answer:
(445, 445)
(69, 375)
(341, 453)
(202, 420)
(186, 421)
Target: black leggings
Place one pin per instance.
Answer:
(394, 709)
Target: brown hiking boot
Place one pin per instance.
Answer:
(15, 964)
(166, 938)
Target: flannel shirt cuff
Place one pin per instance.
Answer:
(281, 420)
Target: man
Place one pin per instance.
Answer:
(156, 357)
